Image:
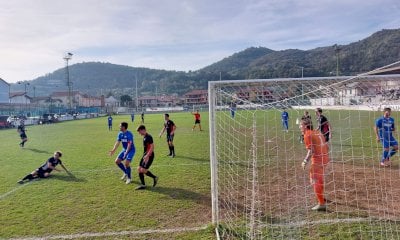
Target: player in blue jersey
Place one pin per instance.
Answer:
(110, 120)
(285, 120)
(132, 116)
(232, 108)
(384, 128)
(127, 153)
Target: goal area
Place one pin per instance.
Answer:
(259, 188)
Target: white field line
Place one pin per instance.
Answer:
(110, 234)
(317, 222)
(4, 195)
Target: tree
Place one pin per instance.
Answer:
(125, 99)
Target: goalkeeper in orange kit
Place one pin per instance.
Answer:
(317, 151)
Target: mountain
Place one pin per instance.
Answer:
(380, 49)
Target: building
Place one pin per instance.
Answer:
(78, 99)
(196, 97)
(64, 97)
(4, 91)
(111, 102)
(47, 101)
(20, 98)
(263, 94)
(85, 100)
(158, 101)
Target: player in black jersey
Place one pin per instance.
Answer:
(169, 127)
(45, 170)
(22, 133)
(147, 159)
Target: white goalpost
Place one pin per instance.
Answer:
(259, 189)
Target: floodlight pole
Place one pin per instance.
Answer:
(68, 57)
(136, 94)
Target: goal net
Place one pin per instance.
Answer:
(259, 188)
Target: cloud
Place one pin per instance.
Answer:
(175, 34)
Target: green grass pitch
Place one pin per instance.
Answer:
(96, 200)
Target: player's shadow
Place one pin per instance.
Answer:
(182, 194)
(67, 178)
(38, 150)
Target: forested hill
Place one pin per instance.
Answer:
(379, 49)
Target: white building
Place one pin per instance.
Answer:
(4, 91)
(20, 98)
(111, 102)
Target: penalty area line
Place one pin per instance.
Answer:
(110, 234)
(4, 195)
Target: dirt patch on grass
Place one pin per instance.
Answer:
(284, 194)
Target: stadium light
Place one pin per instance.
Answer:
(68, 57)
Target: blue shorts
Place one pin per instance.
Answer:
(386, 143)
(129, 156)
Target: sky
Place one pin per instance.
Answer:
(174, 34)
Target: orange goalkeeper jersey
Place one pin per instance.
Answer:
(315, 141)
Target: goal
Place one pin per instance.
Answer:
(259, 189)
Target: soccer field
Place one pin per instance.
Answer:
(96, 204)
(96, 201)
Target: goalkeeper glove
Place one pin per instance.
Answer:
(304, 164)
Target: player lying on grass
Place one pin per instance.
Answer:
(147, 159)
(317, 151)
(384, 128)
(45, 170)
(127, 153)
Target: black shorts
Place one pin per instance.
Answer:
(326, 135)
(41, 172)
(170, 138)
(197, 122)
(148, 164)
(23, 136)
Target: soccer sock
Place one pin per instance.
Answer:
(29, 176)
(392, 152)
(121, 165)
(170, 150)
(385, 155)
(150, 174)
(319, 192)
(128, 172)
(141, 176)
(173, 150)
